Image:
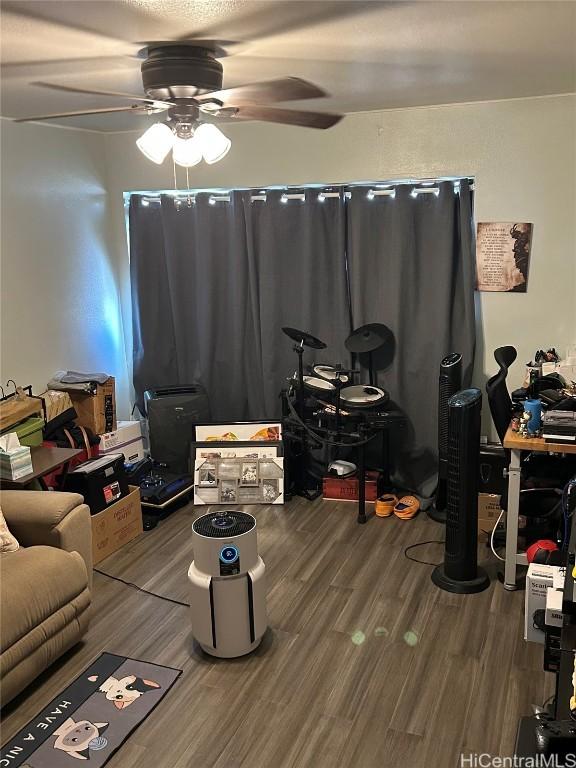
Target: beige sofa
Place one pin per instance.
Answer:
(45, 586)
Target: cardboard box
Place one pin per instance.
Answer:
(553, 616)
(538, 580)
(117, 525)
(96, 411)
(491, 469)
(558, 578)
(346, 489)
(15, 409)
(488, 512)
(126, 439)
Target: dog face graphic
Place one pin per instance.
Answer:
(125, 691)
(78, 738)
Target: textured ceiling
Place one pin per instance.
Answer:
(367, 55)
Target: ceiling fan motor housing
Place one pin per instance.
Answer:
(180, 71)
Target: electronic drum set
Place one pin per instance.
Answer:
(325, 406)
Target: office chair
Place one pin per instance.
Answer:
(535, 502)
(499, 398)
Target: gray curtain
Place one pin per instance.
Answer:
(411, 261)
(213, 283)
(299, 279)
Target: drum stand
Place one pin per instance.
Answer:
(361, 472)
(338, 383)
(299, 349)
(370, 370)
(356, 360)
(295, 463)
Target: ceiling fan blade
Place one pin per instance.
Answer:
(80, 112)
(287, 116)
(282, 89)
(95, 92)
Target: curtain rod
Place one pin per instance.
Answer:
(380, 189)
(295, 191)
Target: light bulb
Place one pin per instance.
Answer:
(187, 152)
(156, 142)
(215, 145)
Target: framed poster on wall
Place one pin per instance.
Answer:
(503, 256)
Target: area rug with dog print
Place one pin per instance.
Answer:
(92, 717)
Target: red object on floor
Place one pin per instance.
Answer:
(539, 552)
(346, 488)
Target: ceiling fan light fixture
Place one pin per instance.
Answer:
(215, 145)
(187, 152)
(156, 142)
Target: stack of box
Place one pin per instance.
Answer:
(488, 513)
(554, 594)
(15, 459)
(96, 410)
(126, 439)
(117, 525)
(542, 605)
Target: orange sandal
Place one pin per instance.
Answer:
(407, 507)
(384, 505)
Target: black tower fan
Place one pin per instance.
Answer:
(449, 382)
(460, 572)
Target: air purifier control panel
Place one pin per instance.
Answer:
(229, 560)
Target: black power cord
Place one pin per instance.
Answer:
(421, 544)
(141, 589)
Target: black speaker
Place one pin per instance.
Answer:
(172, 414)
(460, 572)
(449, 382)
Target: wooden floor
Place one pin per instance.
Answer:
(365, 664)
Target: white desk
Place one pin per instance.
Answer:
(515, 443)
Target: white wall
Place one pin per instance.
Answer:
(60, 307)
(521, 153)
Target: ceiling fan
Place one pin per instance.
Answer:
(185, 81)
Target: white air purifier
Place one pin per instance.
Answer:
(227, 585)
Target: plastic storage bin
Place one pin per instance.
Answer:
(29, 431)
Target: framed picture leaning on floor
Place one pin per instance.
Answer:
(238, 472)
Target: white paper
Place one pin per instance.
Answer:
(9, 443)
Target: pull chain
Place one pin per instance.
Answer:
(188, 187)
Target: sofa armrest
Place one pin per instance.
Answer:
(50, 518)
(34, 512)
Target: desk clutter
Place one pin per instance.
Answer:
(550, 610)
(539, 502)
(549, 385)
(559, 427)
(76, 417)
